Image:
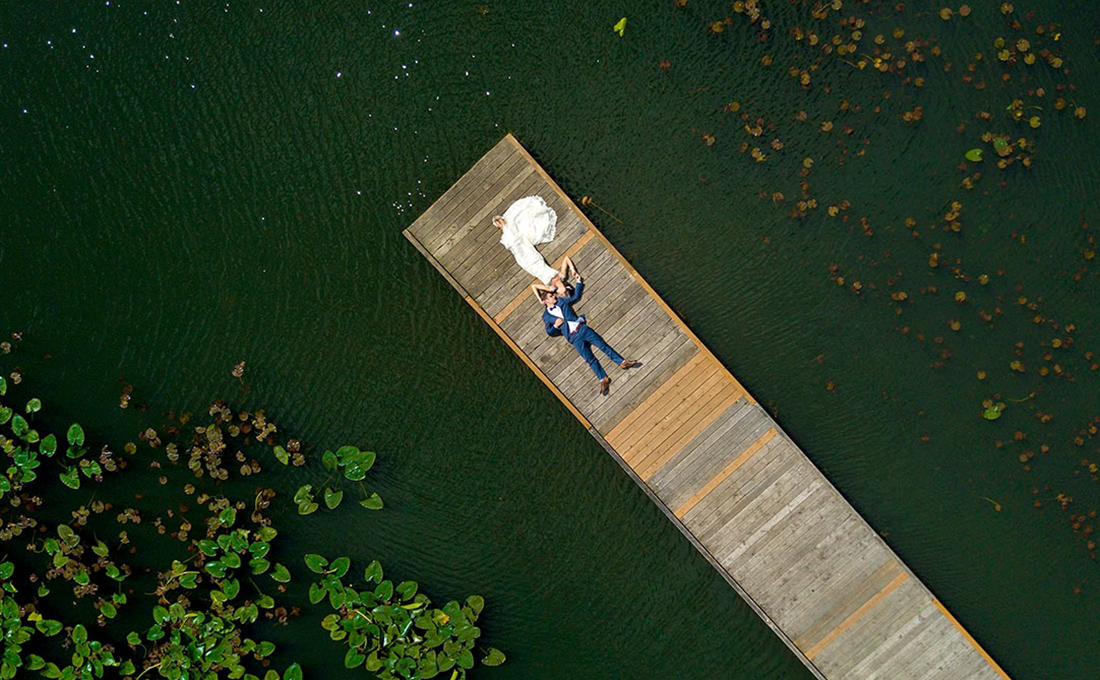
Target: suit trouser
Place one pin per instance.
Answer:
(584, 340)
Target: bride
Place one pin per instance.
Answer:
(525, 224)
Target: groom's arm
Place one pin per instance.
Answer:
(577, 290)
(551, 329)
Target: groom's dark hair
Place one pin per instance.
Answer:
(545, 294)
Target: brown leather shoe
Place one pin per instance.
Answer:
(629, 363)
(603, 386)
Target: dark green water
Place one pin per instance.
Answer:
(187, 185)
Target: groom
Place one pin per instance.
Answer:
(560, 319)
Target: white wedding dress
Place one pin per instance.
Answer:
(527, 223)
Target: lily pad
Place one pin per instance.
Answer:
(75, 435)
(372, 502)
(333, 498)
(974, 155)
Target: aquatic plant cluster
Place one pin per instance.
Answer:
(80, 600)
(891, 49)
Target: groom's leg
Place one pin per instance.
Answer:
(599, 343)
(581, 344)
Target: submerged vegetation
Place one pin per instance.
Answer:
(83, 595)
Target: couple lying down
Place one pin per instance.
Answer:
(525, 224)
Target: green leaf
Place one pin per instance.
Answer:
(281, 455)
(493, 657)
(6, 570)
(373, 572)
(293, 672)
(108, 610)
(333, 498)
(620, 26)
(307, 508)
(19, 426)
(48, 627)
(79, 634)
(281, 574)
(384, 591)
(232, 560)
(316, 563)
(5, 414)
(215, 569)
(476, 603)
(340, 566)
(407, 590)
(1000, 144)
(329, 461)
(71, 478)
(34, 405)
(67, 534)
(208, 547)
(228, 516)
(353, 471)
(3, 387)
(75, 435)
(993, 412)
(316, 593)
(133, 638)
(354, 659)
(48, 445)
(160, 614)
(259, 565)
(465, 659)
(35, 662)
(974, 155)
(267, 534)
(372, 502)
(304, 493)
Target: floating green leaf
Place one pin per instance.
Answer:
(71, 478)
(34, 405)
(372, 502)
(280, 573)
(333, 498)
(974, 155)
(48, 445)
(339, 567)
(493, 657)
(316, 563)
(993, 412)
(75, 435)
(620, 26)
(281, 455)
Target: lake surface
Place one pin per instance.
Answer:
(188, 185)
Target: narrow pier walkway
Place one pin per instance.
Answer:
(702, 448)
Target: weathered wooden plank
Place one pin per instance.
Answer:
(687, 432)
(434, 223)
(457, 217)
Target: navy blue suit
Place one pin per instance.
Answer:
(584, 338)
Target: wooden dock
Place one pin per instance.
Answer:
(702, 448)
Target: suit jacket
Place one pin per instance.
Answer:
(565, 304)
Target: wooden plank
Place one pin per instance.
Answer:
(456, 218)
(726, 472)
(688, 434)
(433, 222)
(856, 615)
